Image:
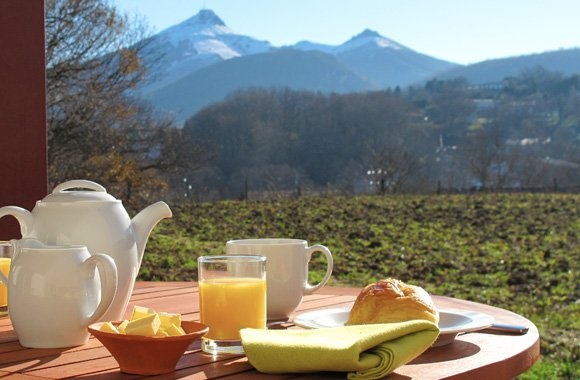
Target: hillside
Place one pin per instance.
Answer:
(304, 70)
(566, 62)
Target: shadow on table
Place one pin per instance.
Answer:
(28, 359)
(456, 350)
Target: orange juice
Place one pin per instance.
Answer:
(230, 304)
(5, 268)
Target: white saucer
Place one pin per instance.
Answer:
(451, 322)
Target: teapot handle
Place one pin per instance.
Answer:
(108, 274)
(23, 216)
(79, 183)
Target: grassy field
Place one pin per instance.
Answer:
(516, 251)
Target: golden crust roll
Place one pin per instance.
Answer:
(392, 300)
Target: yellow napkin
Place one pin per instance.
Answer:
(365, 351)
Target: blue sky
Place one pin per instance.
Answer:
(462, 31)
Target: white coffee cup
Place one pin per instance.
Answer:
(286, 270)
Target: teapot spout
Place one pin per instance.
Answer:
(144, 222)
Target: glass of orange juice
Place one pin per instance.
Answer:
(5, 254)
(232, 296)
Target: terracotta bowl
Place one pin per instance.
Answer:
(143, 355)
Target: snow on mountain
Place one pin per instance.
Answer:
(206, 33)
(199, 41)
(368, 38)
(381, 61)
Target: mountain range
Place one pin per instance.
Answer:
(201, 60)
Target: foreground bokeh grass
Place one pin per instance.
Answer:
(516, 251)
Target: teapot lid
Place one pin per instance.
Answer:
(63, 192)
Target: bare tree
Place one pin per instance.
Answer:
(487, 156)
(90, 68)
(97, 129)
(391, 167)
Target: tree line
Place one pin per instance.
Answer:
(276, 141)
(521, 134)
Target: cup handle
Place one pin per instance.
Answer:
(308, 288)
(108, 275)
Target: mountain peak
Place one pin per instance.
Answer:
(199, 41)
(369, 38)
(207, 17)
(367, 33)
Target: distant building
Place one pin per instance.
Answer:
(496, 86)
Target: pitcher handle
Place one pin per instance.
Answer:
(108, 274)
(308, 288)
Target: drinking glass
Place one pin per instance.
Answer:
(232, 296)
(5, 260)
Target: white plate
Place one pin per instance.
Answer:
(451, 322)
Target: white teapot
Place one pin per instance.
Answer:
(54, 292)
(97, 220)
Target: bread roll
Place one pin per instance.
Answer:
(392, 300)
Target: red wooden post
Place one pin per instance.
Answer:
(23, 141)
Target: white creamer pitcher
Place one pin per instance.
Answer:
(54, 292)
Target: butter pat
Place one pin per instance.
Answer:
(140, 312)
(146, 326)
(146, 321)
(161, 333)
(109, 327)
(175, 330)
(121, 327)
(168, 319)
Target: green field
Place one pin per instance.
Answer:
(516, 251)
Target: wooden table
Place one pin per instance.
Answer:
(472, 356)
